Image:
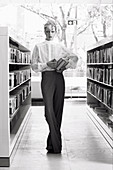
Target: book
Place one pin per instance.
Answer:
(11, 80)
(111, 76)
(112, 99)
(99, 108)
(12, 104)
(93, 105)
(101, 111)
(17, 56)
(61, 63)
(12, 54)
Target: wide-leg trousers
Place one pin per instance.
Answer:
(53, 90)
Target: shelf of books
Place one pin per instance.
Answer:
(15, 93)
(100, 87)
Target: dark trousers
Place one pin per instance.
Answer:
(53, 89)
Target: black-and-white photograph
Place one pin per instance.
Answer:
(56, 85)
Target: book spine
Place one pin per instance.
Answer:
(17, 56)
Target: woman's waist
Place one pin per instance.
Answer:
(51, 72)
(48, 69)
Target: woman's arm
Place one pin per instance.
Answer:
(73, 59)
(70, 57)
(35, 63)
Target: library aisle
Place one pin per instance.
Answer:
(84, 148)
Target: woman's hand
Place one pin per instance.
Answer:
(52, 64)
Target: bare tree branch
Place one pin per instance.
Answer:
(94, 33)
(62, 12)
(37, 12)
(79, 32)
(93, 14)
(84, 29)
(69, 12)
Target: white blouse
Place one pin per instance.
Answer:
(48, 50)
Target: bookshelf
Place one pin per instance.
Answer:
(15, 93)
(100, 87)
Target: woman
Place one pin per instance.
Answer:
(45, 59)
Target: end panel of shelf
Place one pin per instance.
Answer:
(6, 161)
(101, 126)
(22, 119)
(19, 128)
(4, 31)
(9, 137)
(4, 97)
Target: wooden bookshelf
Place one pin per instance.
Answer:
(13, 117)
(100, 87)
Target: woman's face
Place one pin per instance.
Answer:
(50, 32)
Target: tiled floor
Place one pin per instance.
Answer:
(83, 146)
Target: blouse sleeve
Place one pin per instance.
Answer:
(71, 57)
(35, 63)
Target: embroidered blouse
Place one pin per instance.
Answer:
(48, 50)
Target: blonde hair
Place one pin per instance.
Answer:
(50, 22)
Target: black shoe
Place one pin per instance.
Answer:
(50, 151)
